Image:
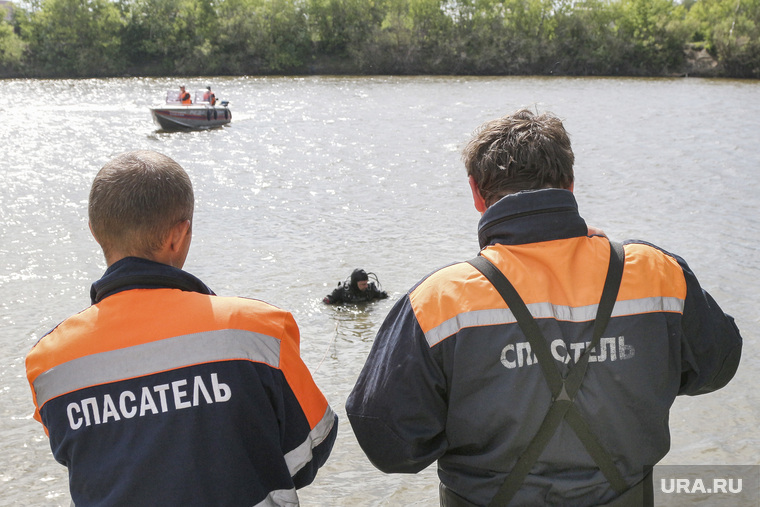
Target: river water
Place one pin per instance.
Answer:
(316, 176)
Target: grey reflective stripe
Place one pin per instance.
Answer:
(280, 498)
(157, 356)
(498, 316)
(301, 455)
(469, 319)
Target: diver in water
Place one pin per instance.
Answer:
(358, 290)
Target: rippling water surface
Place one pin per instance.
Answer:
(316, 176)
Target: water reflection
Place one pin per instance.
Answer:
(315, 176)
(354, 322)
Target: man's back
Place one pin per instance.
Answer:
(173, 397)
(452, 378)
(495, 374)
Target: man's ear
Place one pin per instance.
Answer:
(176, 244)
(93, 232)
(477, 198)
(178, 235)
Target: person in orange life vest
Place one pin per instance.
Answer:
(184, 96)
(208, 96)
(481, 366)
(161, 392)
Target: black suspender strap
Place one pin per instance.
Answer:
(563, 390)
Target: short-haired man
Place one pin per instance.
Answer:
(162, 393)
(542, 371)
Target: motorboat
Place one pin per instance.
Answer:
(201, 114)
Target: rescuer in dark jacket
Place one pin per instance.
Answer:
(358, 290)
(162, 393)
(460, 376)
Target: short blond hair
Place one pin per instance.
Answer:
(135, 200)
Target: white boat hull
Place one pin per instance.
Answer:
(177, 117)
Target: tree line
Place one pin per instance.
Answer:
(99, 38)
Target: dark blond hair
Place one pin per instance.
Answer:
(135, 200)
(520, 151)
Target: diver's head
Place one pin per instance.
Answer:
(359, 280)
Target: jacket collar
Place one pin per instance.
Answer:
(137, 273)
(531, 216)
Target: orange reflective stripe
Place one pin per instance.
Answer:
(662, 271)
(451, 291)
(299, 379)
(545, 273)
(142, 316)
